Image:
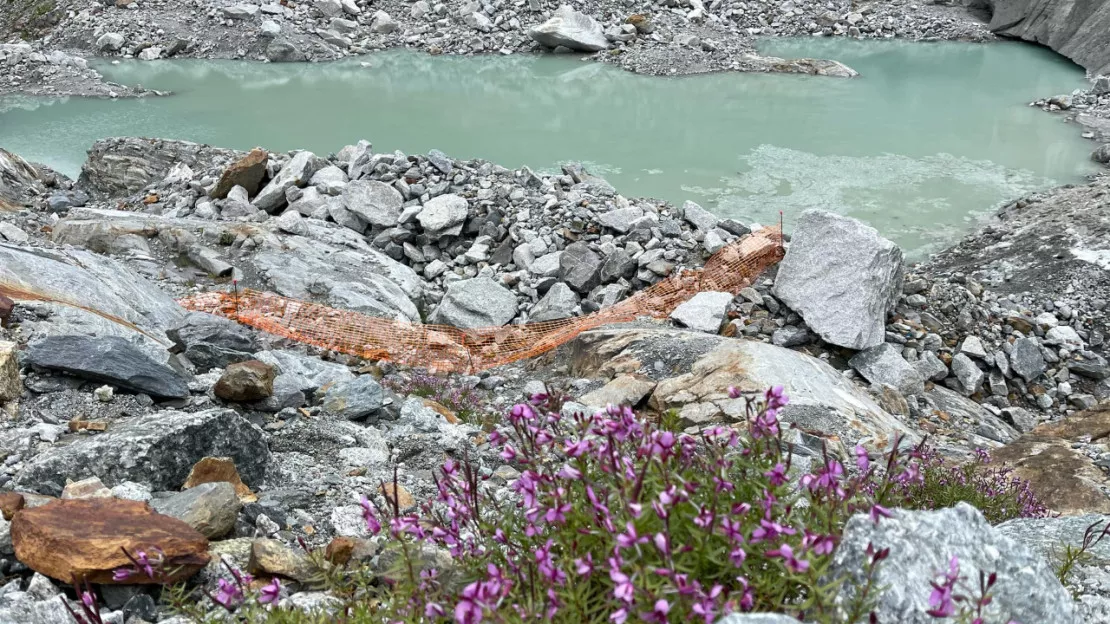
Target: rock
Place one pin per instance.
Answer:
(383, 23)
(791, 336)
(930, 367)
(1063, 335)
(968, 373)
(478, 22)
(703, 366)
(841, 277)
(86, 539)
(218, 470)
(704, 311)
(699, 217)
(124, 165)
(272, 558)
(1026, 359)
(109, 359)
(270, 28)
(109, 42)
(210, 341)
(355, 399)
(377, 203)
(210, 508)
(11, 386)
(297, 172)
(477, 302)
(757, 618)
(283, 50)
(329, 8)
(570, 29)
(11, 502)
(623, 390)
(1101, 154)
(921, 544)
(1082, 36)
(443, 215)
(304, 373)
(1085, 364)
(884, 364)
(246, 381)
(13, 233)
(241, 11)
(1049, 536)
(86, 488)
(621, 219)
(973, 346)
(559, 303)
(291, 222)
(580, 267)
(210, 260)
(1061, 475)
(157, 450)
(246, 172)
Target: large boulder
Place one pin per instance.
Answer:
(580, 267)
(1053, 459)
(921, 544)
(1078, 30)
(85, 539)
(477, 302)
(296, 172)
(210, 341)
(570, 29)
(841, 277)
(110, 359)
(158, 450)
(694, 371)
(378, 203)
(118, 166)
(246, 172)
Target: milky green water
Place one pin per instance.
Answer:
(927, 139)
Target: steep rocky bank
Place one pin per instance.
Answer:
(1078, 30)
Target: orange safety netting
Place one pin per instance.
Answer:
(444, 348)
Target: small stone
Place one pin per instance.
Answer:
(973, 346)
(11, 387)
(884, 365)
(104, 394)
(270, 557)
(246, 381)
(210, 508)
(967, 373)
(1026, 359)
(704, 311)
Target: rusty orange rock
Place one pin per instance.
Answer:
(219, 469)
(403, 498)
(246, 172)
(10, 502)
(85, 539)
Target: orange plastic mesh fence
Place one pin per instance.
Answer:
(443, 348)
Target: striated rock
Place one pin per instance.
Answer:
(921, 544)
(701, 367)
(704, 311)
(570, 29)
(377, 203)
(85, 539)
(1079, 31)
(109, 359)
(477, 302)
(246, 381)
(1062, 476)
(210, 508)
(623, 390)
(20, 181)
(118, 166)
(210, 341)
(246, 172)
(884, 364)
(157, 450)
(443, 216)
(11, 386)
(841, 277)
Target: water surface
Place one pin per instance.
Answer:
(927, 138)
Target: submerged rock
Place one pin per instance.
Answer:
(841, 277)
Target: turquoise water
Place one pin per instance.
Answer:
(927, 138)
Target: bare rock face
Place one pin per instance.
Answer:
(118, 166)
(246, 172)
(19, 180)
(1078, 30)
(77, 539)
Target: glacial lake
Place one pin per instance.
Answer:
(928, 139)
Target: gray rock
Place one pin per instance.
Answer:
(443, 215)
(973, 346)
(621, 219)
(157, 450)
(302, 372)
(1048, 536)
(791, 336)
(1063, 335)
(1089, 364)
(440, 161)
(921, 544)
(241, 11)
(383, 23)
(1081, 35)
(968, 373)
(580, 267)
(559, 303)
(757, 618)
(884, 364)
(291, 222)
(377, 203)
(109, 359)
(1026, 359)
(123, 165)
(1101, 154)
(355, 399)
(704, 311)
(109, 42)
(210, 508)
(699, 217)
(841, 277)
(570, 29)
(284, 50)
(210, 260)
(617, 265)
(930, 367)
(210, 341)
(297, 172)
(477, 302)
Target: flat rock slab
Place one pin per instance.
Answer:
(110, 359)
(86, 538)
